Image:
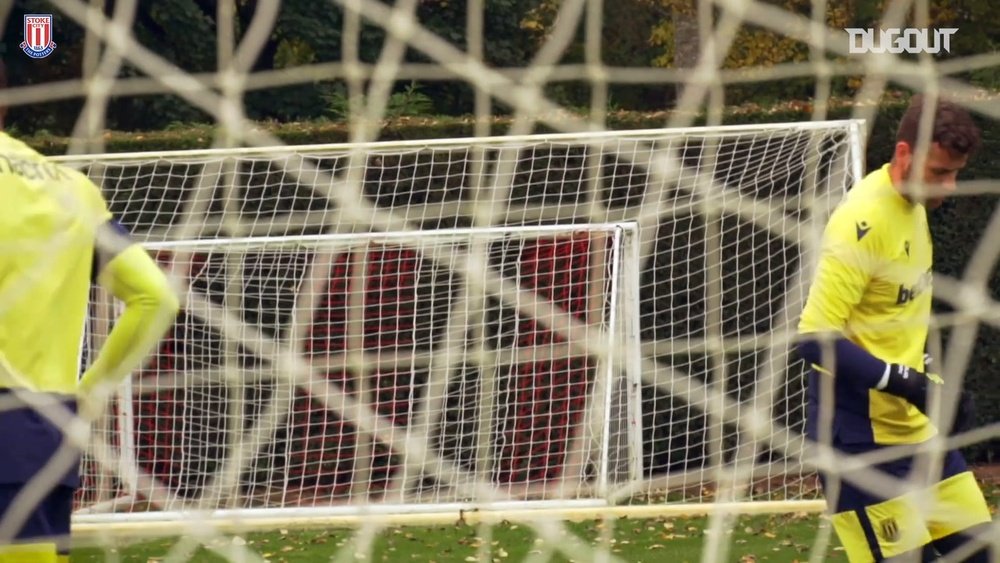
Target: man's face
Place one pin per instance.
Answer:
(939, 174)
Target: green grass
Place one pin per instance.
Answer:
(758, 538)
(777, 538)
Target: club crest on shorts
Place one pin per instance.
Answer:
(38, 42)
(889, 529)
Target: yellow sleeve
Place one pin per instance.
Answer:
(849, 258)
(91, 195)
(150, 308)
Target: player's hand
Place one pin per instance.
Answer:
(93, 402)
(913, 385)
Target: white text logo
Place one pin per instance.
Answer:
(895, 40)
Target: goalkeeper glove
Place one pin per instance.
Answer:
(913, 385)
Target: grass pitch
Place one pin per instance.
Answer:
(777, 538)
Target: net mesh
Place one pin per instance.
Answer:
(372, 321)
(510, 403)
(328, 374)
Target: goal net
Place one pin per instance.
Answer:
(523, 328)
(444, 332)
(447, 338)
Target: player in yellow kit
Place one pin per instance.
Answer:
(50, 220)
(865, 323)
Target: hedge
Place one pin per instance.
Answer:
(675, 435)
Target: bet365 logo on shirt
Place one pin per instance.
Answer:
(907, 294)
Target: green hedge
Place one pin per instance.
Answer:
(674, 433)
(200, 136)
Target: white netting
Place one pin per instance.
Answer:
(767, 182)
(289, 360)
(391, 322)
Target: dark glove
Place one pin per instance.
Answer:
(913, 385)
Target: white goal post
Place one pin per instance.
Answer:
(480, 375)
(716, 225)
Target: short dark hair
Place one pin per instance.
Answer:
(953, 127)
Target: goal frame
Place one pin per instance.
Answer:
(854, 131)
(622, 323)
(213, 225)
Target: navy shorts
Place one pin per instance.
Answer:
(875, 526)
(48, 522)
(30, 440)
(853, 498)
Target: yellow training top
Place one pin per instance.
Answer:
(48, 220)
(873, 285)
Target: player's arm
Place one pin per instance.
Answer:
(849, 258)
(132, 276)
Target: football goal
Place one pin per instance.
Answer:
(544, 322)
(447, 337)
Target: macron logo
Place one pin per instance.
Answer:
(862, 229)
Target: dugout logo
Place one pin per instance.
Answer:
(895, 40)
(38, 42)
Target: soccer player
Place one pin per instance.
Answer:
(50, 220)
(865, 324)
